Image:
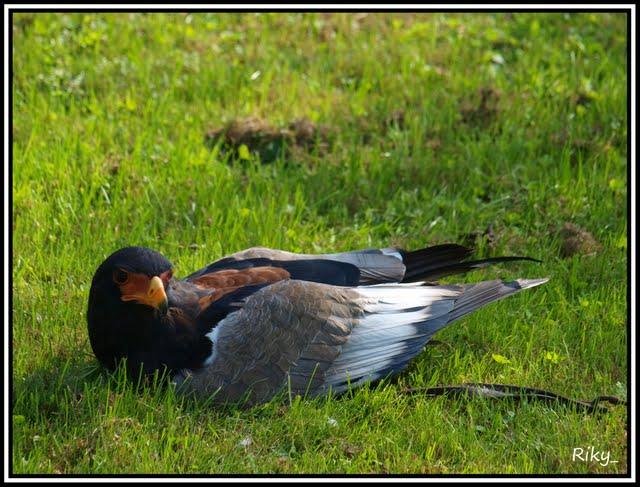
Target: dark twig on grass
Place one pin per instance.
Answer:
(516, 393)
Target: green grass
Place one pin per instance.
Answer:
(109, 117)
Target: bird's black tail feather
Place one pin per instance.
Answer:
(444, 260)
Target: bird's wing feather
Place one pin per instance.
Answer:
(373, 265)
(314, 338)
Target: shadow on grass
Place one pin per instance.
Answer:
(79, 386)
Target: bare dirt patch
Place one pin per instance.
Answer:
(577, 241)
(483, 110)
(266, 140)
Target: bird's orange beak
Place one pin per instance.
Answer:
(151, 293)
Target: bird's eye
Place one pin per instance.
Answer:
(120, 277)
(167, 275)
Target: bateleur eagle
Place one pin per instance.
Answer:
(261, 321)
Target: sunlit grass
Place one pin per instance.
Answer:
(110, 113)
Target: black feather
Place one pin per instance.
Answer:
(322, 271)
(422, 263)
(445, 260)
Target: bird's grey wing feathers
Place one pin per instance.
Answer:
(312, 338)
(255, 348)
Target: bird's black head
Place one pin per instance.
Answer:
(128, 306)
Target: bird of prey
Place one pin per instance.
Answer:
(262, 321)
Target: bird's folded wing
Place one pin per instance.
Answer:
(256, 348)
(374, 265)
(313, 338)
